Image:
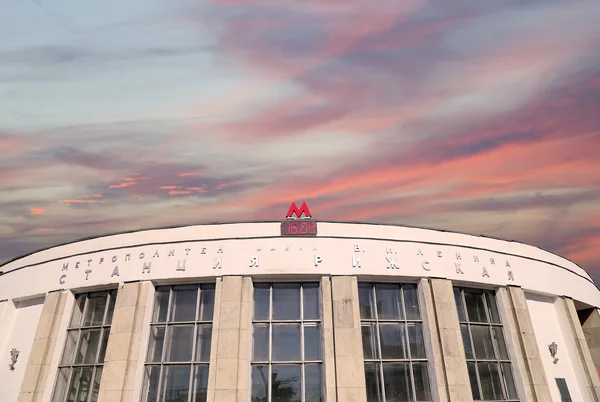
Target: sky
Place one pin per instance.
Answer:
(475, 116)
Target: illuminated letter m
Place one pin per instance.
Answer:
(298, 212)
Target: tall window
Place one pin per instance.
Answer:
(393, 346)
(179, 350)
(488, 361)
(287, 357)
(80, 367)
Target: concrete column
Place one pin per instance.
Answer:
(122, 351)
(230, 362)
(42, 350)
(328, 341)
(451, 369)
(584, 357)
(525, 351)
(591, 331)
(348, 351)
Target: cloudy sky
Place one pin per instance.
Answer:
(476, 116)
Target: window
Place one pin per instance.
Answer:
(488, 361)
(80, 367)
(286, 355)
(179, 350)
(393, 347)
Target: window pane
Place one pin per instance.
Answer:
(88, 346)
(200, 384)
(286, 383)
(151, 379)
(373, 381)
(61, 385)
(286, 342)
(415, 340)
(369, 341)
(396, 380)
(183, 307)
(392, 338)
(460, 308)
(207, 303)
(77, 311)
(103, 345)
(177, 383)
(312, 342)
(421, 376)
(411, 302)
(286, 301)
(492, 308)
(157, 338)
(490, 381)
(74, 385)
(509, 380)
(388, 302)
(161, 304)
(312, 383)
(203, 341)
(482, 341)
(96, 386)
(261, 342)
(262, 301)
(499, 337)
(310, 297)
(475, 307)
(70, 345)
(96, 305)
(179, 341)
(365, 301)
(111, 307)
(473, 381)
(85, 384)
(464, 331)
(260, 383)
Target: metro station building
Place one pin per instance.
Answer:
(299, 310)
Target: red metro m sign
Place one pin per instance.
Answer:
(297, 225)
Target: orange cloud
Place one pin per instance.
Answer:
(37, 210)
(175, 192)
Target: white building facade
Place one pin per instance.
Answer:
(255, 312)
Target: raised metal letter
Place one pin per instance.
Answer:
(484, 272)
(511, 276)
(458, 268)
(355, 261)
(62, 278)
(218, 263)
(356, 248)
(65, 266)
(318, 259)
(180, 266)
(87, 273)
(115, 271)
(392, 262)
(147, 266)
(425, 266)
(254, 261)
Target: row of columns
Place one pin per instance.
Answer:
(343, 366)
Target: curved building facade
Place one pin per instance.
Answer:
(281, 311)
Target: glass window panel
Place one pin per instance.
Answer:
(369, 341)
(177, 383)
(74, 385)
(161, 304)
(411, 302)
(421, 378)
(310, 295)
(312, 342)
(261, 342)
(260, 383)
(71, 343)
(388, 302)
(286, 301)
(393, 343)
(460, 308)
(85, 384)
(88, 346)
(499, 337)
(475, 307)
(473, 380)
(103, 345)
(373, 382)
(489, 377)
(179, 341)
(157, 338)
(365, 301)
(396, 380)
(415, 340)
(61, 385)
(464, 331)
(262, 301)
(111, 307)
(286, 383)
(509, 380)
(312, 383)
(286, 342)
(200, 384)
(77, 311)
(203, 341)
(151, 380)
(492, 308)
(96, 306)
(183, 306)
(207, 303)
(96, 384)
(482, 341)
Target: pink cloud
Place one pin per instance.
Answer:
(37, 210)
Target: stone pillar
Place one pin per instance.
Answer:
(525, 352)
(451, 369)
(328, 343)
(349, 362)
(42, 350)
(229, 364)
(122, 351)
(591, 331)
(584, 357)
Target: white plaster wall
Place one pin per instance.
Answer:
(551, 326)
(19, 328)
